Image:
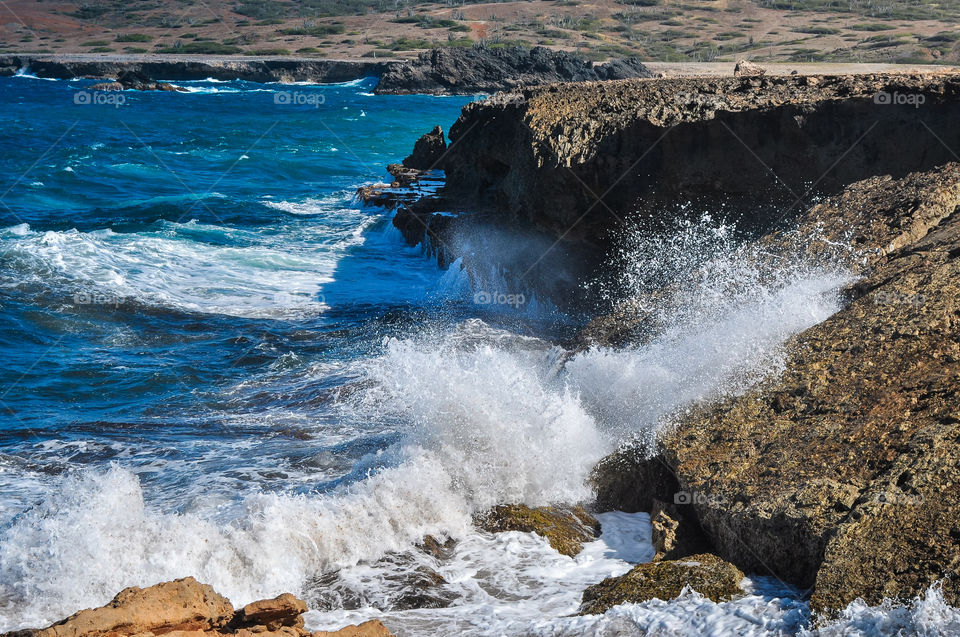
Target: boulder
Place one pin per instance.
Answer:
(744, 68)
(565, 529)
(180, 605)
(676, 532)
(705, 573)
(285, 610)
(428, 151)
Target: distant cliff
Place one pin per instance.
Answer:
(465, 71)
(182, 67)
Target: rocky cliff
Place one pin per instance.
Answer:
(753, 144)
(842, 475)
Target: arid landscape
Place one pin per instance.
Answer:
(679, 31)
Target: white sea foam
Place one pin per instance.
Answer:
(484, 417)
(186, 266)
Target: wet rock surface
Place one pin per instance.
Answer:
(842, 475)
(707, 574)
(466, 71)
(567, 529)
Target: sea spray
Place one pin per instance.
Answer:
(482, 417)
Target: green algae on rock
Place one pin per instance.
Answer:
(565, 528)
(705, 573)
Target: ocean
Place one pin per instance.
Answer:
(218, 363)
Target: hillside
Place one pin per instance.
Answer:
(914, 31)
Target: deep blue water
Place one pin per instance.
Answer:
(161, 257)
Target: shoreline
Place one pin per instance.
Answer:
(288, 69)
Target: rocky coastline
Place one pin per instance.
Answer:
(458, 71)
(839, 476)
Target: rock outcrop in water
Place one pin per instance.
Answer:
(705, 573)
(186, 608)
(566, 529)
(466, 71)
(135, 81)
(842, 475)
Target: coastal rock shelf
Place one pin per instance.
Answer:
(753, 144)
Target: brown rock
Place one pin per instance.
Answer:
(565, 529)
(744, 68)
(705, 573)
(181, 605)
(372, 628)
(284, 610)
(675, 532)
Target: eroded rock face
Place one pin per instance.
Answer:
(545, 155)
(466, 71)
(843, 474)
(187, 608)
(705, 573)
(428, 151)
(565, 529)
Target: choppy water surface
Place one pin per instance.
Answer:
(218, 364)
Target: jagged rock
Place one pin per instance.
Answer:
(428, 151)
(482, 70)
(676, 532)
(372, 628)
(183, 605)
(437, 549)
(565, 529)
(843, 473)
(284, 610)
(744, 68)
(705, 573)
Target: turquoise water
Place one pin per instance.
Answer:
(157, 254)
